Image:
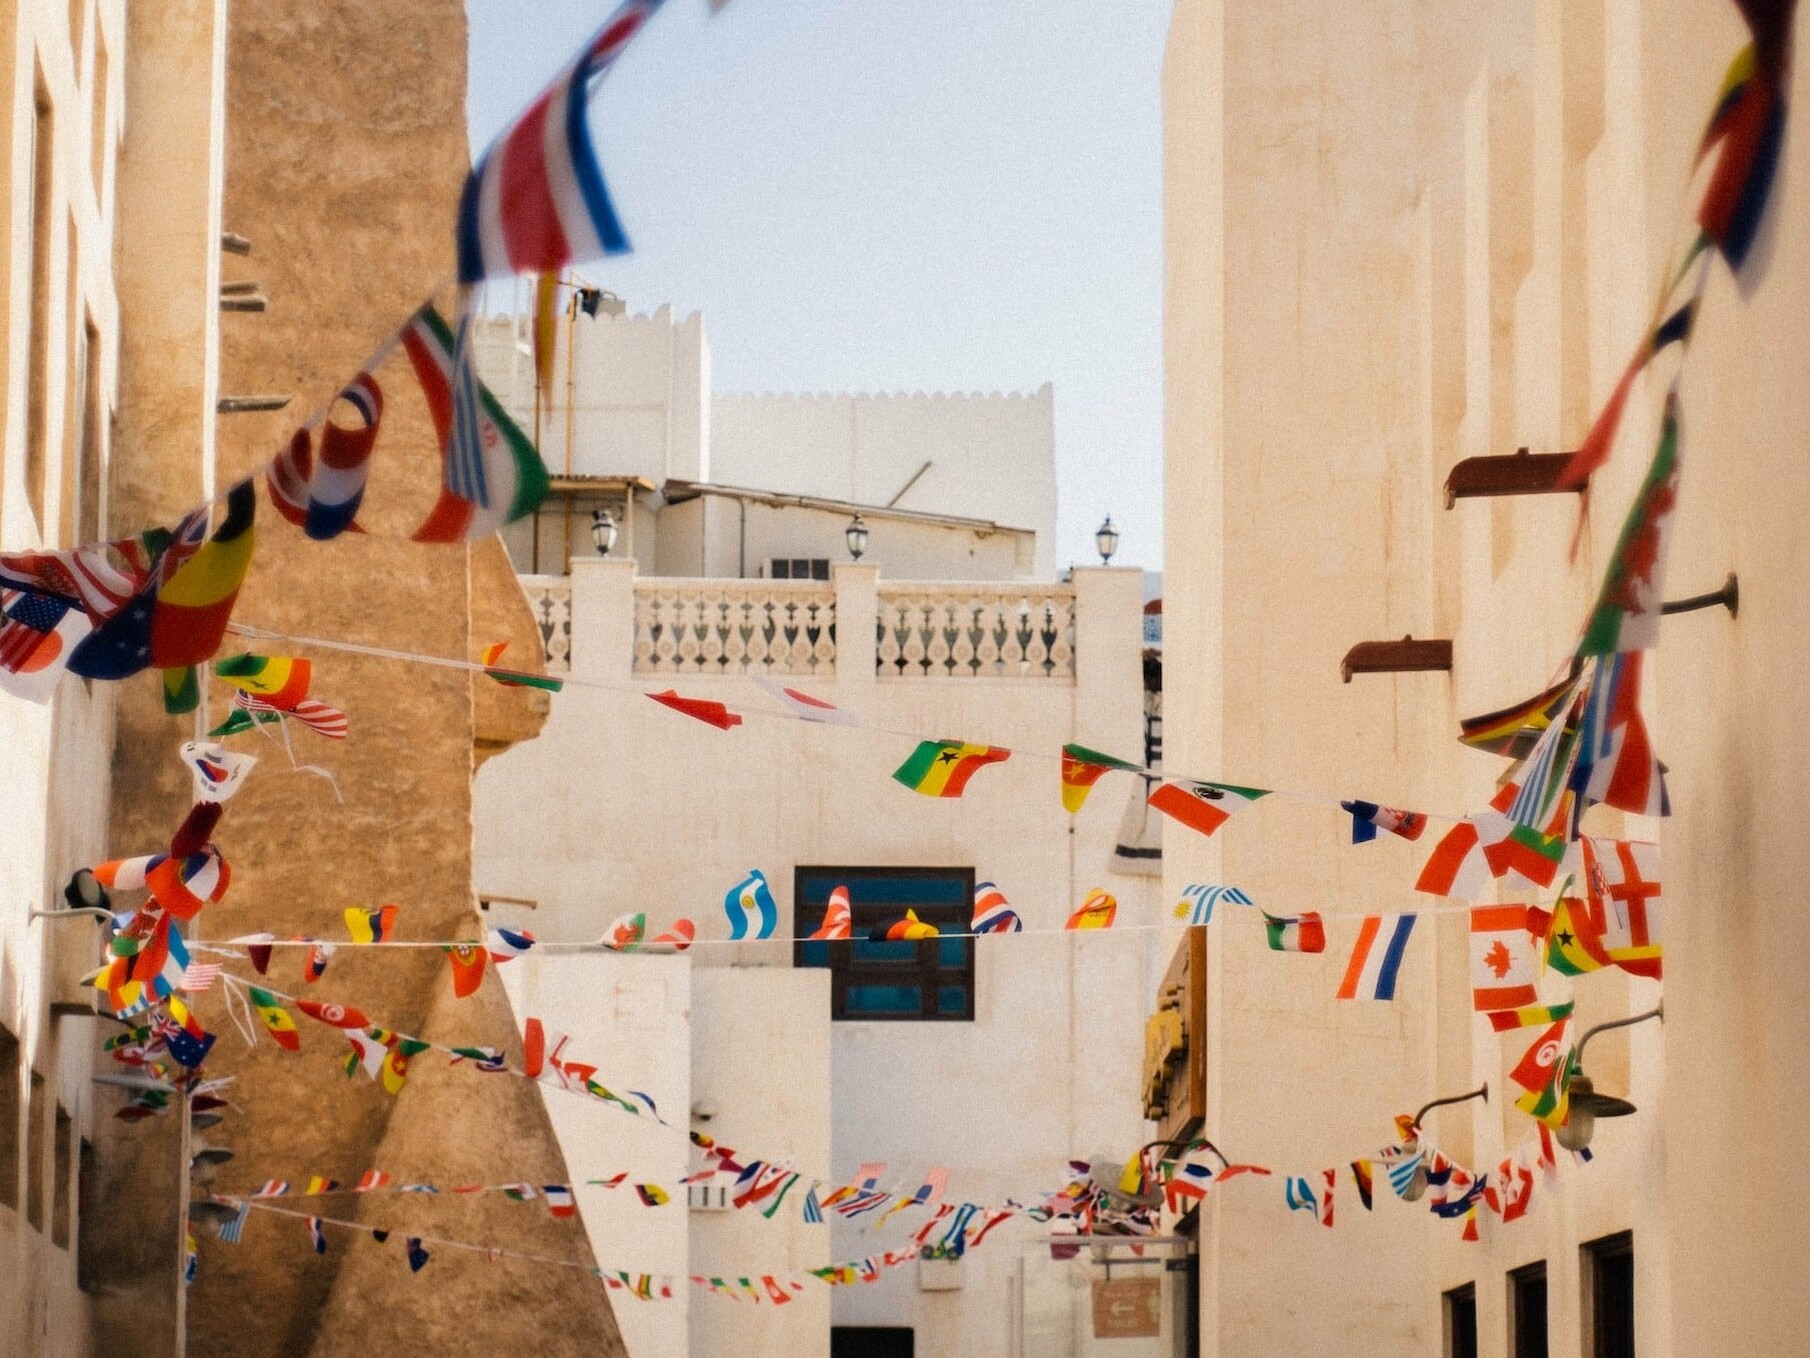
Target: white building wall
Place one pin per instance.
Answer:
(621, 804)
(53, 758)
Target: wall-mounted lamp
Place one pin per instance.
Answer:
(1585, 1104)
(1729, 597)
(83, 898)
(603, 531)
(1395, 657)
(1417, 1185)
(1106, 541)
(1522, 473)
(856, 534)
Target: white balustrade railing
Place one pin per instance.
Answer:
(550, 597)
(978, 631)
(734, 627)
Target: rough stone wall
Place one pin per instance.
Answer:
(345, 148)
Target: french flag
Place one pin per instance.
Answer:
(536, 201)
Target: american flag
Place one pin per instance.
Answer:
(317, 716)
(29, 617)
(199, 976)
(98, 578)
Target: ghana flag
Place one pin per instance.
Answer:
(942, 768)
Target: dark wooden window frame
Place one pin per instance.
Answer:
(1458, 1319)
(1611, 1319)
(927, 971)
(1528, 1335)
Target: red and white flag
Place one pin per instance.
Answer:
(1505, 959)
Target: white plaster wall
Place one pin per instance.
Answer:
(631, 1017)
(992, 456)
(54, 759)
(621, 804)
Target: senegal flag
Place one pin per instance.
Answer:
(1081, 769)
(942, 768)
(276, 1019)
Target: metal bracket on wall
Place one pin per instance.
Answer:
(1729, 597)
(1395, 657)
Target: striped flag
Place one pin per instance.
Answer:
(535, 201)
(370, 1181)
(1098, 911)
(1363, 1175)
(200, 976)
(276, 1019)
(813, 1209)
(942, 768)
(272, 1188)
(370, 926)
(507, 944)
(37, 634)
(1295, 933)
(680, 937)
(316, 716)
(1367, 818)
(838, 922)
(992, 915)
(559, 1200)
(490, 472)
(316, 1236)
(1625, 899)
(231, 1231)
(1376, 958)
(1528, 1016)
(750, 907)
(1198, 900)
(321, 497)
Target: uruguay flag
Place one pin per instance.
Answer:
(749, 905)
(535, 201)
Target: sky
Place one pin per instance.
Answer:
(885, 195)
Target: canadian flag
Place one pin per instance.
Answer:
(1505, 960)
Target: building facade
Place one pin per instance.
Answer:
(1394, 239)
(1022, 1051)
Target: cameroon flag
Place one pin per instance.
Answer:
(1082, 768)
(942, 768)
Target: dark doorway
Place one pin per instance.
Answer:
(870, 1341)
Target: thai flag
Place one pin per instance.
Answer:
(991, 913)
(535, 200)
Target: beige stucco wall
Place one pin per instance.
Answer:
(1392, 241)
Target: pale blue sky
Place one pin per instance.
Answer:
(893, 194)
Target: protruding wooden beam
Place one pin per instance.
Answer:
(1521, 473)
(243, 405)
(1395, 657)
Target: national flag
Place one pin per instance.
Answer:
(395, 1069)
(1202, 806)
(1622, 877)
(802, 705)
(942, 768)
(909, 929)
(317, 716)
(625, 932)
(276, 1019)
(813, 1209)
(183, 884)
(272, 1188)
(1198, 900)
(316, 1236)
(1082, 768)
(1376, 957)
(706, 710)
(319, 954)
(257, 948)
(319, 1184)
(490, 472)
(417, 1254)
(1096, 912)
(280, 680)
(217, 771)
(1509, 1191)
(1627, 611)
(535, 201)
(1363, 1175)
(369, 1048)
(992, 915)
(233, 1230)
(1504, 960)
(492, 653)
(1401, 1163)
(1367, 818)
(652, 1195)
(1746, 132)
(1551, 1104)
(38, 632)
(837, 919)
(200, 976)
(1534, 1071)
(467, 960)
(333, 1015)
(506, 944)
(1616, 764)
(559, 1200)
(1513, 731)
(1573, 945)
(1295, 933)
(1528, 1016)
(97, 579)
(196, 601)
(371, 1181)
(370, 926)
(337, 485)
(749, 904)
(679, 937)
(1301, 1196)
(120, 646)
